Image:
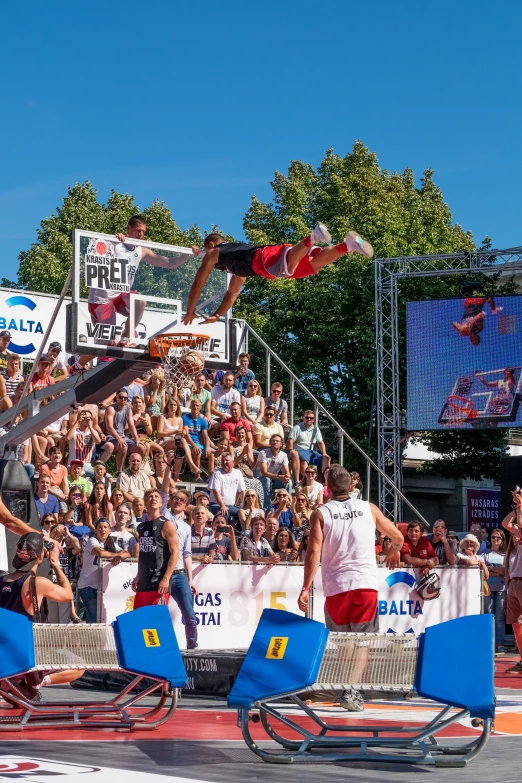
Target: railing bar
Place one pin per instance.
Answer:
(330, 418)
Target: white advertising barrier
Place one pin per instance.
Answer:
(27, 315)
(402, 610)
(232, 596)
(229, 603)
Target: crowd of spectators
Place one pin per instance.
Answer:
(259, 477)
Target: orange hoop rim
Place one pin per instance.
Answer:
(165, 342)
(464, 409)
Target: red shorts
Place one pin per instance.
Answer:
(149, 598)
(105, 312)
(266, 257)
(355, 608)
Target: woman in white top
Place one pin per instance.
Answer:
(495, 602)
(311, 488)
(252, 402)
(250, 510)
(100, 546)
(170, 425)
(467, 556)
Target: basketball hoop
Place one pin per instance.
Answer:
(182, 356)
(459, 410)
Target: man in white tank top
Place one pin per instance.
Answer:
(342, 540)
(104, 303)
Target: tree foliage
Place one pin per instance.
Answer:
(45, 266)
(324, 326)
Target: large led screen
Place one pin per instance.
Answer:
(464, 360)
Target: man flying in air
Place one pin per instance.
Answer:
(473, 317)
(269, 261)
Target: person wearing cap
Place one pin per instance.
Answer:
(59, 369)
(5, 339)
(444, 549)
(42, 377)
(76, 479)
(201, 498)
(21, 590)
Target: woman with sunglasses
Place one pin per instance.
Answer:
(311, 488)
(495, 602)
(98, 506)
(252, 402)
(284, 546)
(143, 424)
(249, 510)
(301, 513)
(76, 517)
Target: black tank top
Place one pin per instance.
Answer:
(154, 554)
(236, 258)
(11, 595)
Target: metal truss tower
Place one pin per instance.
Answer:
(391, 424)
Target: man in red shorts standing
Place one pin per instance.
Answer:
(269, 261)
(342, 539)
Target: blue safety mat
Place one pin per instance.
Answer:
(146, 644)
(284, 656)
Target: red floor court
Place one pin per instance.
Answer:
(209, 721)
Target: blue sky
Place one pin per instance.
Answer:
(199, 103)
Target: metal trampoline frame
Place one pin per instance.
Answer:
(416, 745)
(59, 647)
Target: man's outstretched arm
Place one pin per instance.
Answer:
(234, 287)
(165, 262)
(208, 263)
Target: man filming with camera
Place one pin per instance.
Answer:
(23, 592)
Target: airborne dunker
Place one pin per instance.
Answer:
(268, 261)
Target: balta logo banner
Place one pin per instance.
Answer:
(402, 604)
(22, 316)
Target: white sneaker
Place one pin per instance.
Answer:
(320, 234)
(356, 244)
(351, 700)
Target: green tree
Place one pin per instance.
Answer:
(324, 326)
(45, 266)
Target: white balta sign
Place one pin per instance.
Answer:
(232, 596)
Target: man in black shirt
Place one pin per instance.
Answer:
(158, 554)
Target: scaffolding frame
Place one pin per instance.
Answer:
(390, 420)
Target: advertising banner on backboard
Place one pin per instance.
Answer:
(126, 292)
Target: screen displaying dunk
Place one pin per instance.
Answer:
(464, 359)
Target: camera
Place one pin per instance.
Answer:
(222, 529)
(48, 547)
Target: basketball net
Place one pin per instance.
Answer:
(182, 356)
(459, 410)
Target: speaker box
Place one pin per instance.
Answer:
(18, 496)
(510, 477)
